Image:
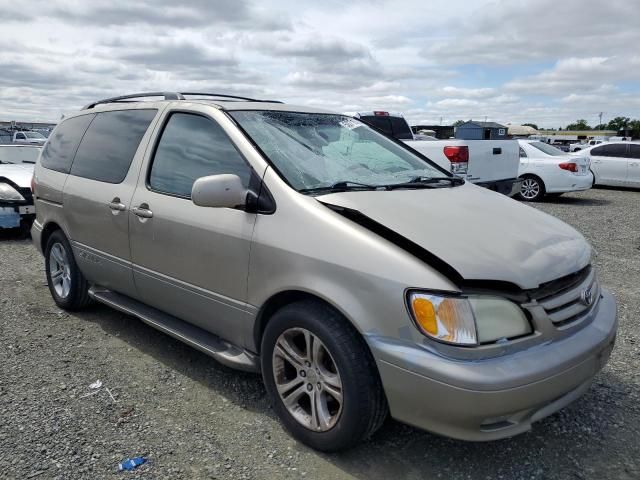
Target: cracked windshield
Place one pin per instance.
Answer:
(318, 151)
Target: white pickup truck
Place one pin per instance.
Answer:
(576, 147)
(29, 138)
(489, 163)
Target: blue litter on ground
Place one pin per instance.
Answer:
(131, 463)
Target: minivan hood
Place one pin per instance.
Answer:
(18, 174)
(481, 234)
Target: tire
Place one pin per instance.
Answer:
(342, 357)
(532, 189)
(70, 289)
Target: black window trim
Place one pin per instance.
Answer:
(629, 146)
(168, 114)
(95, 115)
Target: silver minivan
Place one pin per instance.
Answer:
(360, 278)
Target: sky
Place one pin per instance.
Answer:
(547, 62)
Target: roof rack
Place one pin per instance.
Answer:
(172, 96)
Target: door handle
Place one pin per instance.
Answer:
(116, 205)
(142, 211)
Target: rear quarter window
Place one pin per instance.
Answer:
(109, 145)
(63, 143)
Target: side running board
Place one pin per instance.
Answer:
(224, 352)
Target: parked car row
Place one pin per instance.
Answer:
(359, 277)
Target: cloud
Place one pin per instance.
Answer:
(579, 75)
(511, 61)
(506, 32)
(185, 14)
(450, 91)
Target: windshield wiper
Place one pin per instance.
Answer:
(343, 186)
(452, 180)
(414, 183)
(425, 182)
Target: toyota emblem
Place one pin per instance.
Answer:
(587, 296)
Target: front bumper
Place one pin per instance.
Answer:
(498, 397)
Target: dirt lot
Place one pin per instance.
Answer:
(194, 418)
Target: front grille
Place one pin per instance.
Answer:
(570, 303)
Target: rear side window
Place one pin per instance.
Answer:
(634, 151)
(379, 122)
(614, 150)
(62, 145)
(107, 149)
(396, 127)
(400, 128)
(191, 147)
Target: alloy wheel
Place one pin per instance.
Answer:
(60, 270)
(307, 379)
(530, 188)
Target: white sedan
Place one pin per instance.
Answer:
(615, 163)
(546, 170)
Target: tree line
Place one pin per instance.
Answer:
(625, 125)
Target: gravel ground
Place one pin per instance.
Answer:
(194, 418)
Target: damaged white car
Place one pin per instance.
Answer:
(16, 171)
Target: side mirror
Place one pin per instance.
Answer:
(219, 191)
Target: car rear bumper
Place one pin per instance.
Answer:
(36, 235)
(509, 186)
(498, 397)
(572, 183)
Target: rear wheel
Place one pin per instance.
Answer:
(67, 285)
(532, 189)
(321, 377)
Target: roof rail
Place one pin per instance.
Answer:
(233, 97)
(171, 96)
(166, 95)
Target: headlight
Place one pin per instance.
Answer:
(7, 192)
(470, 320)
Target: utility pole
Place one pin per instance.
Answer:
(440, 120)
(600, 116)
(485, 119)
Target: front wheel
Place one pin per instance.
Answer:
(321, 377)
(532, 189)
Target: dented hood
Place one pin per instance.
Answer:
(18, 174)
(481, 234)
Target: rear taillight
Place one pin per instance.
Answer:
(570, 166)
(33, 184)
(459, 157)
(457, 154)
